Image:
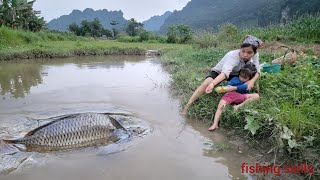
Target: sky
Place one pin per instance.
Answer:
(141, 10)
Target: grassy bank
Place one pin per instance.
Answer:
(15, 44)
(285, 122)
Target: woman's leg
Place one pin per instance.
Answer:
(197, 93)
(221, 106)
(249, 98)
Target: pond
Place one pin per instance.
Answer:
(176, 148)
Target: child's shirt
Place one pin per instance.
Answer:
(241, 86)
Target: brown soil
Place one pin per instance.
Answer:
(275, 47)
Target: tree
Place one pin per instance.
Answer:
(75, 29)
(107, 32)
(114, 30)
(144, 35)
(134, 27)
(89, 28)
(96, 28)
(179, 34)
(20, 14)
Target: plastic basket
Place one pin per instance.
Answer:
(271, 68)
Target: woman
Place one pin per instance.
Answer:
(228, 67)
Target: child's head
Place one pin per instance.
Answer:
(247, 72)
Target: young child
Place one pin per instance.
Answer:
(236, 92)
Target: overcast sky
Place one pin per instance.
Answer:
(139, 9)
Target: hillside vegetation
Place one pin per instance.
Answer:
(210, 14)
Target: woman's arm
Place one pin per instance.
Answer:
(251, 82)
(215, 81)
(218, 79)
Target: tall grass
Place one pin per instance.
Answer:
(303, 29)
(287, 116)
(16, 44)
(12, 38)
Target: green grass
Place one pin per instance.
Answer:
(290, 100)
(16, 44)
(304, 29)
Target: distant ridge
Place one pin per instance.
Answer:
(62, 23)
(155, 22)
(210, 14)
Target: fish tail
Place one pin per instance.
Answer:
(7, 141)
(12, 141)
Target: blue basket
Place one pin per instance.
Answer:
(271, 68)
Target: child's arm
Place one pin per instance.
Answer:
(222, 89)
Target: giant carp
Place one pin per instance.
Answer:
(82, 130)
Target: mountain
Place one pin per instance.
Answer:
(209, 14)
(62, 23)
(155, 22)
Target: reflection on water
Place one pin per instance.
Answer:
(16, 79)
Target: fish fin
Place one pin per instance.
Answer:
(54, 120)
(30, 133)
(116, 123)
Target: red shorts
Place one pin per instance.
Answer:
(234, 97)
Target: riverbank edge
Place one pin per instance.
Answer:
(35, 53)
(260, 152)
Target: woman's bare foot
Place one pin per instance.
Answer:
(185, 110)
(213, 127)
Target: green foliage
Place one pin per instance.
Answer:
(134, 28)
(204, 39)
(18, 44)
(126, 38)
(306, 27)
(251, 125)
(87, 28)
(114, 31)
(144, 36)
(302, 29)
(13, 38)
(20, 14)
(179, 34)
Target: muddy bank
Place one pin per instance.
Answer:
(48, 53)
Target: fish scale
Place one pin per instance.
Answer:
(79, 131)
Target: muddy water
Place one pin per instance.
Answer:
(175, 149)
